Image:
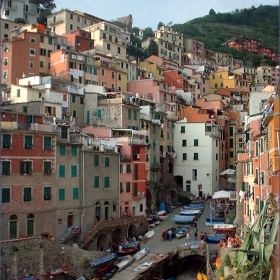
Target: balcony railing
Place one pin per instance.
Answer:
(125, 158)
(140, 195)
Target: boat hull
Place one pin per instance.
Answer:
(124, 262)
(143, 267)
(191, 245)
(141, 254)
(213, 238)
(103, 260)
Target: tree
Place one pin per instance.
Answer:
(152, 48)
(148, 32)
(160, 24)
(212, 12)
(45, 7)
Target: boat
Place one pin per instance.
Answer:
(152, 224)
(158, 258)
(150, 234)
(162, 218)
(163, 206)
(215, 219)
(109, 273)
(189, 212)
(190, 207)
(124, 262)
(161, 213)
(143, 267)
(103, 260)
(27, 277)
(195, 205)
(57, 271)
(191, 245)
(224, 227)
(127, 251)
(209, 224)
(81, 278)
(141, 254)
(149, 218)
(156, 221)
(182, 219)
(181, 232)
(201, 276)
(215, 238)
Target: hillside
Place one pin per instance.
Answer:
(215, 28)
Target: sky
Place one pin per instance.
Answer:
(148, 13)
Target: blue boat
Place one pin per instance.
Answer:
(214, 219)
(103, 260)
(195, 205)
(215, 238)
(181, 232)
(182, 219)
(191, 245)
(209, 223)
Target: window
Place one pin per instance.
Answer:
(127, 187)
(74, 114)
(96, 160)
(63, 132)
(28, 143)
(154, 129)
(195, 156)
(75, 193)
(47, 193)
(194, 174)
(99, 113)
(41, 64)
(128, 168)
(135, 191)
(184, 156)
(183, 129)
(262, 145)
(135, 114)
(73, 98)
(61, 194)
(96, 182)
(106, 182)
(6, 167)
(47, 167)
(110, 38)
(25, 167)
(81, 100)
(231, 143)
(31, 64)
(136, 172)
(257, 148)
(102, 72)
(73, 170)
(108, 47)
(5, 61)
(27, 194)
(231, 131)
(119, 77)
(106, 162)
(6, 26)
(129, 114)
(62, 150)
(6, 195)
(61, 170)
(119, 48)
(31, 52)
(71, 26)
(47, 142)
(217, 157)
(262, 177)
(195, 142)
(73, 150)
(184, 142)
(6, 142)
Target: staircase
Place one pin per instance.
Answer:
(64, 237)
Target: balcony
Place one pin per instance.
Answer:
(125, 158)
(267, 117)
(139, 196)
(55, 21)
(9, 6)
(28, 126)
(156, 165)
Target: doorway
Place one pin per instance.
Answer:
(70, 219)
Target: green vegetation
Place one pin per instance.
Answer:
(46, 7)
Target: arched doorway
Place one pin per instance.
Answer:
(132, 231)
(30, 224)
(13, 226)
(116, 235)
(174, 197)
(101, 241)
(97, 211)
(106, 210)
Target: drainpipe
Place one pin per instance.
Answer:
(83, 196)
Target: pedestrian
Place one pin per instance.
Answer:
(195, 233)
(188, 235)
(138, 245)
(195, 224)
(170, 235)
(124, 214)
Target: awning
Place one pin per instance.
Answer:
(228, 172)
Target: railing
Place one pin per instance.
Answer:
(125, 158)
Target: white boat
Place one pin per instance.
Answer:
(141, 254)
(150, 234)
(162, 218)
(224, 227)
(124, 262)
(157, 222)
(181, 232)
(152, 224)
(189, 212)
(191, 245)
(143, 267)
(161, 213)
